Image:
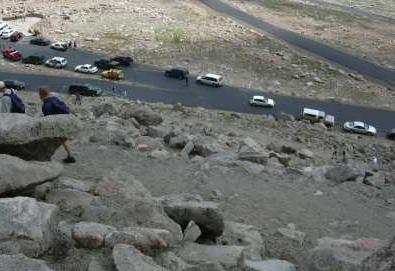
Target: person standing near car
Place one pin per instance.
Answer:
(54, 106)
(186, 80)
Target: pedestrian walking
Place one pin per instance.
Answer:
(186, 80)
(125, 93)
(75, 44)
(78, 98)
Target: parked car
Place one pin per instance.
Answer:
(314, 116)
(85, 90)
(56, 62)
(4, 28)
(177, 73)
(14, 84)
(16, 36)
(391, 134)
(123, 60)
(3, 25)
(113, 74)
(35, 60)
(86, 68)
(210, 79)
(359, 127)
(105, 64)
(60, 46)
(40, 41)
(6, 34)
(262, 101)
(12, 54)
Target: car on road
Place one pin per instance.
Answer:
(391, 134)
(86, 68)
(34, 59)
(105, 64)
(14, 84)
(262, 101)
(210, 79)
(12, 54)
(56, 62)
(4, 28)
(16, 36)
(113, 74)
(6, 34)
(59, 46)
(314, 116)
(359, 127)
(177, 73)
(40, 41)
(123, 60)
(85, 90)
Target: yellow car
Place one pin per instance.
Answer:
(113, 74)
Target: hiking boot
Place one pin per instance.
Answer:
(69, 160)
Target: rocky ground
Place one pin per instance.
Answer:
(160, 187)
(187, 33)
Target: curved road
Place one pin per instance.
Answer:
(352, 62)
(149, 84)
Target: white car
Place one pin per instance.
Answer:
(359, 127)
(86, 68)
(210, 79)
(4, 26)
(6, 33)
(60, 46)
(262, 101)
(56, 62)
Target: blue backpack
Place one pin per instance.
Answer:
(17, 104)
(58, 106)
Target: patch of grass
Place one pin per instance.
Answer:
(114, 36)
(302, 60)
(172, 36)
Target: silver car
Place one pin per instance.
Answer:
(359, 127)
(56, 62)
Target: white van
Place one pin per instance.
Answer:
(314, 115)
(210, 79)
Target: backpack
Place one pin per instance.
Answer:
(59, 107)
(17, 104)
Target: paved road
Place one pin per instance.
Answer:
(352, 62)
(150, 85)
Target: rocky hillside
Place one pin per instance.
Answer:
(160, 187)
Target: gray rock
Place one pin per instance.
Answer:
(41, 191)
(159, 154)
(144, 115)
(90, 235)
(240, 234)
(306, 154)
(158, 131)
(284, 159)
(69, 183)
(381, 260)
(188, 148)
(179, 141)
(146, 240)
(255, 157)
(249, 167)
(28, 223)
(20, 262)
(170, 261)
(206, 214)
(342, 255)
(268, 265)
(191, 232)
(72, 202)
(249, 145)
(17, 174)
(128, 258)
(146, 143)
(206, 146)
(285, 117)
(228, 256)
(35, 138)
(342, 173)
(104, 108)
(208, 266)
(291, 233)
(95, 265)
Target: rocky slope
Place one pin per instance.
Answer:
(161, 187)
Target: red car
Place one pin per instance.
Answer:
(16, 36)
(12, 54)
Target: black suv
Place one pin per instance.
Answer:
(123, 60)
(35, 60)
(105, 64)
(40, 41)
(178, 73)
(14, 84)
(85, 90)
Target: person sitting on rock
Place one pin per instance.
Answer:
(10, 102)
(54, 106)
(5, 101)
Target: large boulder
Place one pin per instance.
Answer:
(240, 234)
(128, 258)
(17, 174)
(206, 214)
(90, 235)
(382, 260)
(228, 256)
(268, 265)
(35, 138)
(144, 115)
(21, 262)
(342, 255)
(170, 261)
(343, 173)
(27, 224)
(206, 146)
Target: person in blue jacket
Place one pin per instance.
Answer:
(53, 106)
